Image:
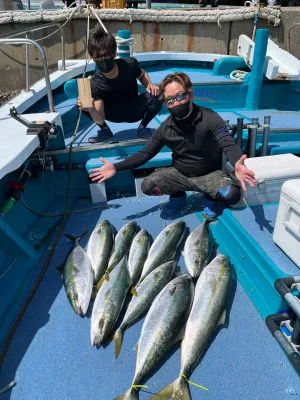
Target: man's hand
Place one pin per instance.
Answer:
(153, 89)
(101, 174)
(88, 109)
(243, 174)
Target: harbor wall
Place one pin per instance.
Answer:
(148, 36)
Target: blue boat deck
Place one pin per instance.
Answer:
(218, 92)
(259, 222)
(51, 357)
(280, 120)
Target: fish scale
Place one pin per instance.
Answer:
(109, 302)
(161, 328)
(211, 293)
(122, 244)
(146, 293)
(164, 247)
(78, 277)
(99, 248)
(138, 254)
(197, 249)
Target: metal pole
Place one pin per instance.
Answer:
(255, 82)
(28, 4)
(266, 131)
(45, 66)
(63, 55)
(148, 3)
(252, 137)
(27, 65)
(239, 131)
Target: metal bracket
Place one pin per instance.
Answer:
(43, 129)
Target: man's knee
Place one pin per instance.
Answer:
(154, 103)
(229, 194)
(150, 188)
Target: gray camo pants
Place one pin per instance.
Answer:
(169, 180)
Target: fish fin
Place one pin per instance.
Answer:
(134, 292)
(94, 293)
(172, 290)
(136, 347)
(105, 277)
(180, 334)
(74, 238)
(177, 390)
(208, 220)
(118, 339)
(60, 267)
(131, 394)
(222, 318)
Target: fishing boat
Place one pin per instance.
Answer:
(46, 193)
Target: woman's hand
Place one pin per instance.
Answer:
(105, 172)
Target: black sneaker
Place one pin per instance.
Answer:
(103, 134)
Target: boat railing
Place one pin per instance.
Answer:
(13, 38)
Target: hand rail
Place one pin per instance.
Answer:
(46, 72)
(34, 29)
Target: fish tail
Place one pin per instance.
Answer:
(208, 220)
(131, 394)
(177, 390)
(76, 238)
(105, 277)
(118, 339)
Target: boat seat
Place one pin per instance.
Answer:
(162, 159)
(98, 191)
(71, 89)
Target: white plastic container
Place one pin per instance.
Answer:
(270, 174)
(287, 227)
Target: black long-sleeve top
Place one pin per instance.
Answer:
(196, 143)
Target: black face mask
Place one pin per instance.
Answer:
(180, 111)
(106, 65)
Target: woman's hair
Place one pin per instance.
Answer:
(179, 77)
(101, 41)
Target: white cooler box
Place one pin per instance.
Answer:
(287, 227)
(270, 173)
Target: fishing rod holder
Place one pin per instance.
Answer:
(285, 327)
(45, 130)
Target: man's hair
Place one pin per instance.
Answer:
(179, 77)
(101, 41)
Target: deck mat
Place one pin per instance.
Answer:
(51, 357)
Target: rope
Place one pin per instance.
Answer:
(124, 42)
(187, 16)
(60, 214)
(238, 75)
(99, 20)
(59, 29)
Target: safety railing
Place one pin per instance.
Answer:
(27, 32)
(45, 66)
